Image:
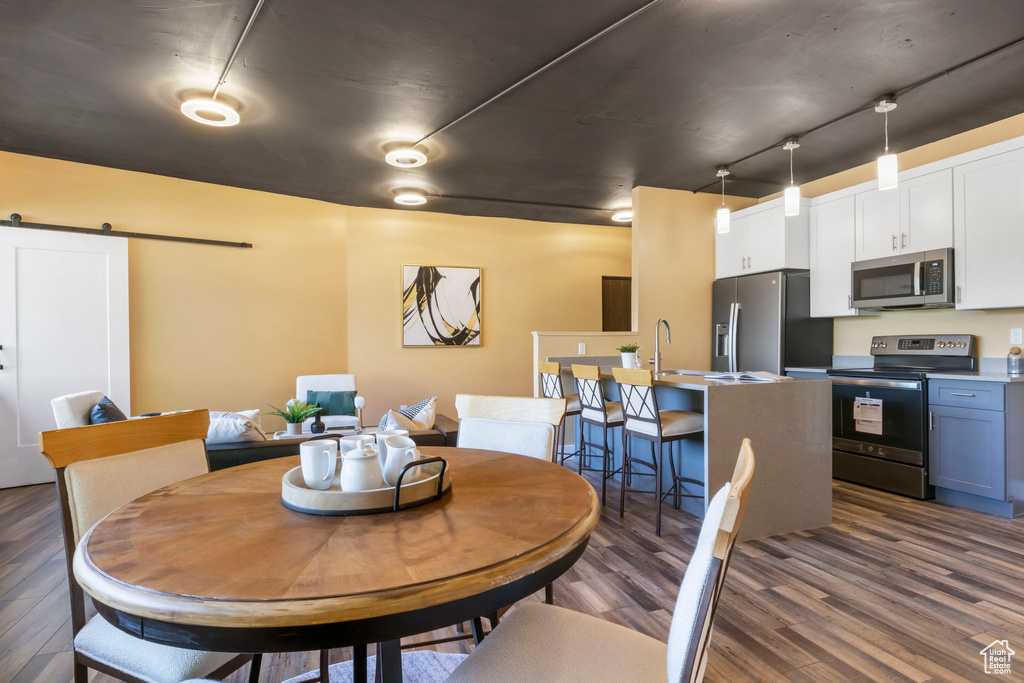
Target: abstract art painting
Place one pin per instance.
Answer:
(440, 306)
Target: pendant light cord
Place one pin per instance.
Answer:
(723, 190)
(791, 180)
(887, 130)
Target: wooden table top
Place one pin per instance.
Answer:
(221, 549)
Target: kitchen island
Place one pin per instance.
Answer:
(789, 424)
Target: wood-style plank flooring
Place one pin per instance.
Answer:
(894, 589)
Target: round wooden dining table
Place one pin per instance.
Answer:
(217, 563)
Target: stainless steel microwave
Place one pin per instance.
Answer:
(920, 280)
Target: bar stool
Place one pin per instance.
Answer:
(551, 387)
(595, 412)
(644, 421)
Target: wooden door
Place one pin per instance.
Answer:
(616, 304)
(832, 250)
(988, 196)
(926, 212)
(63, 328)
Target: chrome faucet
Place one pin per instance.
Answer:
(657, 343)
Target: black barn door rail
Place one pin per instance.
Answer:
(107, 231)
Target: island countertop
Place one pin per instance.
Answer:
(694, 379)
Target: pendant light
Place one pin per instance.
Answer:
(888, 170)
(722, 217)
(791, 196)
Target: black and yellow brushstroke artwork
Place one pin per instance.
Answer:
(441, 306)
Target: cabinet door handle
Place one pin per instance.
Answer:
(849, 301)
(931, 421)
(750, 261)
(894, 247)
(954, 393)
(903, 241)
(959, 299)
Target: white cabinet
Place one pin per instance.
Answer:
(731, 249)
(988, 227)
(926, 212)
(762, 239)
(878, 224)
(832, 246)
(916, 217)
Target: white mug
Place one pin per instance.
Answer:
(319, 461)
(352, 441)
(382, 447)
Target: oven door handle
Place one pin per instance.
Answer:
(885, 383)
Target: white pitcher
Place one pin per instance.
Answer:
(360, 470)
(401, 451)
(382, 446)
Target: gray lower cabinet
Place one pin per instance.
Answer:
(967, 450)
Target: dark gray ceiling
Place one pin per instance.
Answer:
(661, 101)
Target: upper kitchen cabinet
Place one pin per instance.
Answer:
(916, 217)
(987, 194)
(763, 239)
(832, 251)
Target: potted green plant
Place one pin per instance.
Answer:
(628, 352)
(295, 413)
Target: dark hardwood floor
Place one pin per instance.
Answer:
(894, 589)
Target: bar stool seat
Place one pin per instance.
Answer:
(572, 404)
(673, 423)
(613, 409)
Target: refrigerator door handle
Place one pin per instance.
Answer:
(734, 333)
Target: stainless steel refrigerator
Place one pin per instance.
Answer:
(763, 322)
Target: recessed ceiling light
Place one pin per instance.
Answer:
(622, 216)
(210, 112)
(411, 198)
(406, 158)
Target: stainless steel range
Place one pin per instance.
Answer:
(879, 414)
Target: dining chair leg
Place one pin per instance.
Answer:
(604, 467)
(657, 487)
(359, 663)
(561, 453)
(325, 665)
(549, 593)
(478, 631)
(583, 447)
(494, 618)
(81, 673)
(254, 668)
(389, 662)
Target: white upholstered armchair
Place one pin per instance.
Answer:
(306, 383)
(73, 410)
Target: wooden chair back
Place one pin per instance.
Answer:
(525, 426)
(550, 379)
(101, 467)
(705, 574)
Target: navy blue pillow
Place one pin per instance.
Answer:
(105, 411)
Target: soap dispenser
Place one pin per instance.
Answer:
(1015, 362)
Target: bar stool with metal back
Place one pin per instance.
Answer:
(551, 387)
(643, 420)
(595, 412)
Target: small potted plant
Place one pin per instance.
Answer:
(628, 352)
(295, 413)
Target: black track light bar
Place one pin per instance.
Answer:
(108, 231)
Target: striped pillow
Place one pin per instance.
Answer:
(421, 416)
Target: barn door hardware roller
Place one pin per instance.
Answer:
(108, 231)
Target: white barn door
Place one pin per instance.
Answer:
(63, 329)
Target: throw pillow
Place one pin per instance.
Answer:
(105, 411)
(420, 416)
(333, 402)
(230, 427)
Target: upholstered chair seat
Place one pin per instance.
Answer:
(673, 423)
(613, 409)
(572, 403)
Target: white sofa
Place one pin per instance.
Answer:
(73, 410)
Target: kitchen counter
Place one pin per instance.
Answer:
(789, 424)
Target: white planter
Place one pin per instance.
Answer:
(293, 428)
(629, 360)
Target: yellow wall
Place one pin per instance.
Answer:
(853, 335)
(673, 268)
(536, 276)
(230, 329)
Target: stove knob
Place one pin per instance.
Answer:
(874, 345)
(961, 344)
(941, 344)
(883, 345)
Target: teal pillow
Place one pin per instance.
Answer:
(333, 402)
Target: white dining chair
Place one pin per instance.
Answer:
(98, 469)
(513, 424)
(547, 643)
